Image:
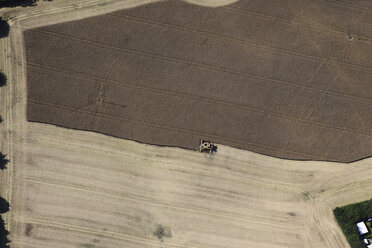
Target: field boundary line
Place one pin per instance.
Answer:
(54, 10)
(173, 129)
(202, 66)
(200, 99)
(9, 115)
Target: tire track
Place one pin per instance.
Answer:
(149, 197)
(32, 244)
(107, 234)
(175, 129)
(348, 5)
(60, 9)
(297, 24)
(9, 125)
(350, 186)
(214, 212)
(202, 99)
(203, 66)
(209, 34)
(241, 42)
(246, 179)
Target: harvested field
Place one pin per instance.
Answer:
(289, 79)
(81, 189)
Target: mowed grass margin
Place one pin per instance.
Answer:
(347, 217)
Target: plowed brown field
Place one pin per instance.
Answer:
(289, 79)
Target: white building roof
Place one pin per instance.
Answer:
(362, 228)
(369, 246)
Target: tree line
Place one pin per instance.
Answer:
(4, 205)
(4, 240)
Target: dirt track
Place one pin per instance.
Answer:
(264, 76)
(59, 179)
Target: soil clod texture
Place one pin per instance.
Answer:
(289, 79)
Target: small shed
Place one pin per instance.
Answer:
(362, 228)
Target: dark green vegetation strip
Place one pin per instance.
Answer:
(4, 241)
(15, 3)
(348, 216)
(4, 206)
(3, 79)
(3, 161)
(4, 28)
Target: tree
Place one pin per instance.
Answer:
(3, 79)
(3, 161)
(4, 205)
(15, 3)
(4, 28)
(4, 241)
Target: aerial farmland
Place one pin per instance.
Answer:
(106, 102)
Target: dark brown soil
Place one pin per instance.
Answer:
(287, 78)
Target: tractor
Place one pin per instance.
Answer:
(207, 146)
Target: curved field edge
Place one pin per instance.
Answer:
(161, 119)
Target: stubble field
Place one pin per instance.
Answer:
(81, 189)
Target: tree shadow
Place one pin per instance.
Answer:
(16, 3)
(21, 3)
(3, 79)
(4, 205)
(4, 241)
(3, 161)
(4, 28)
